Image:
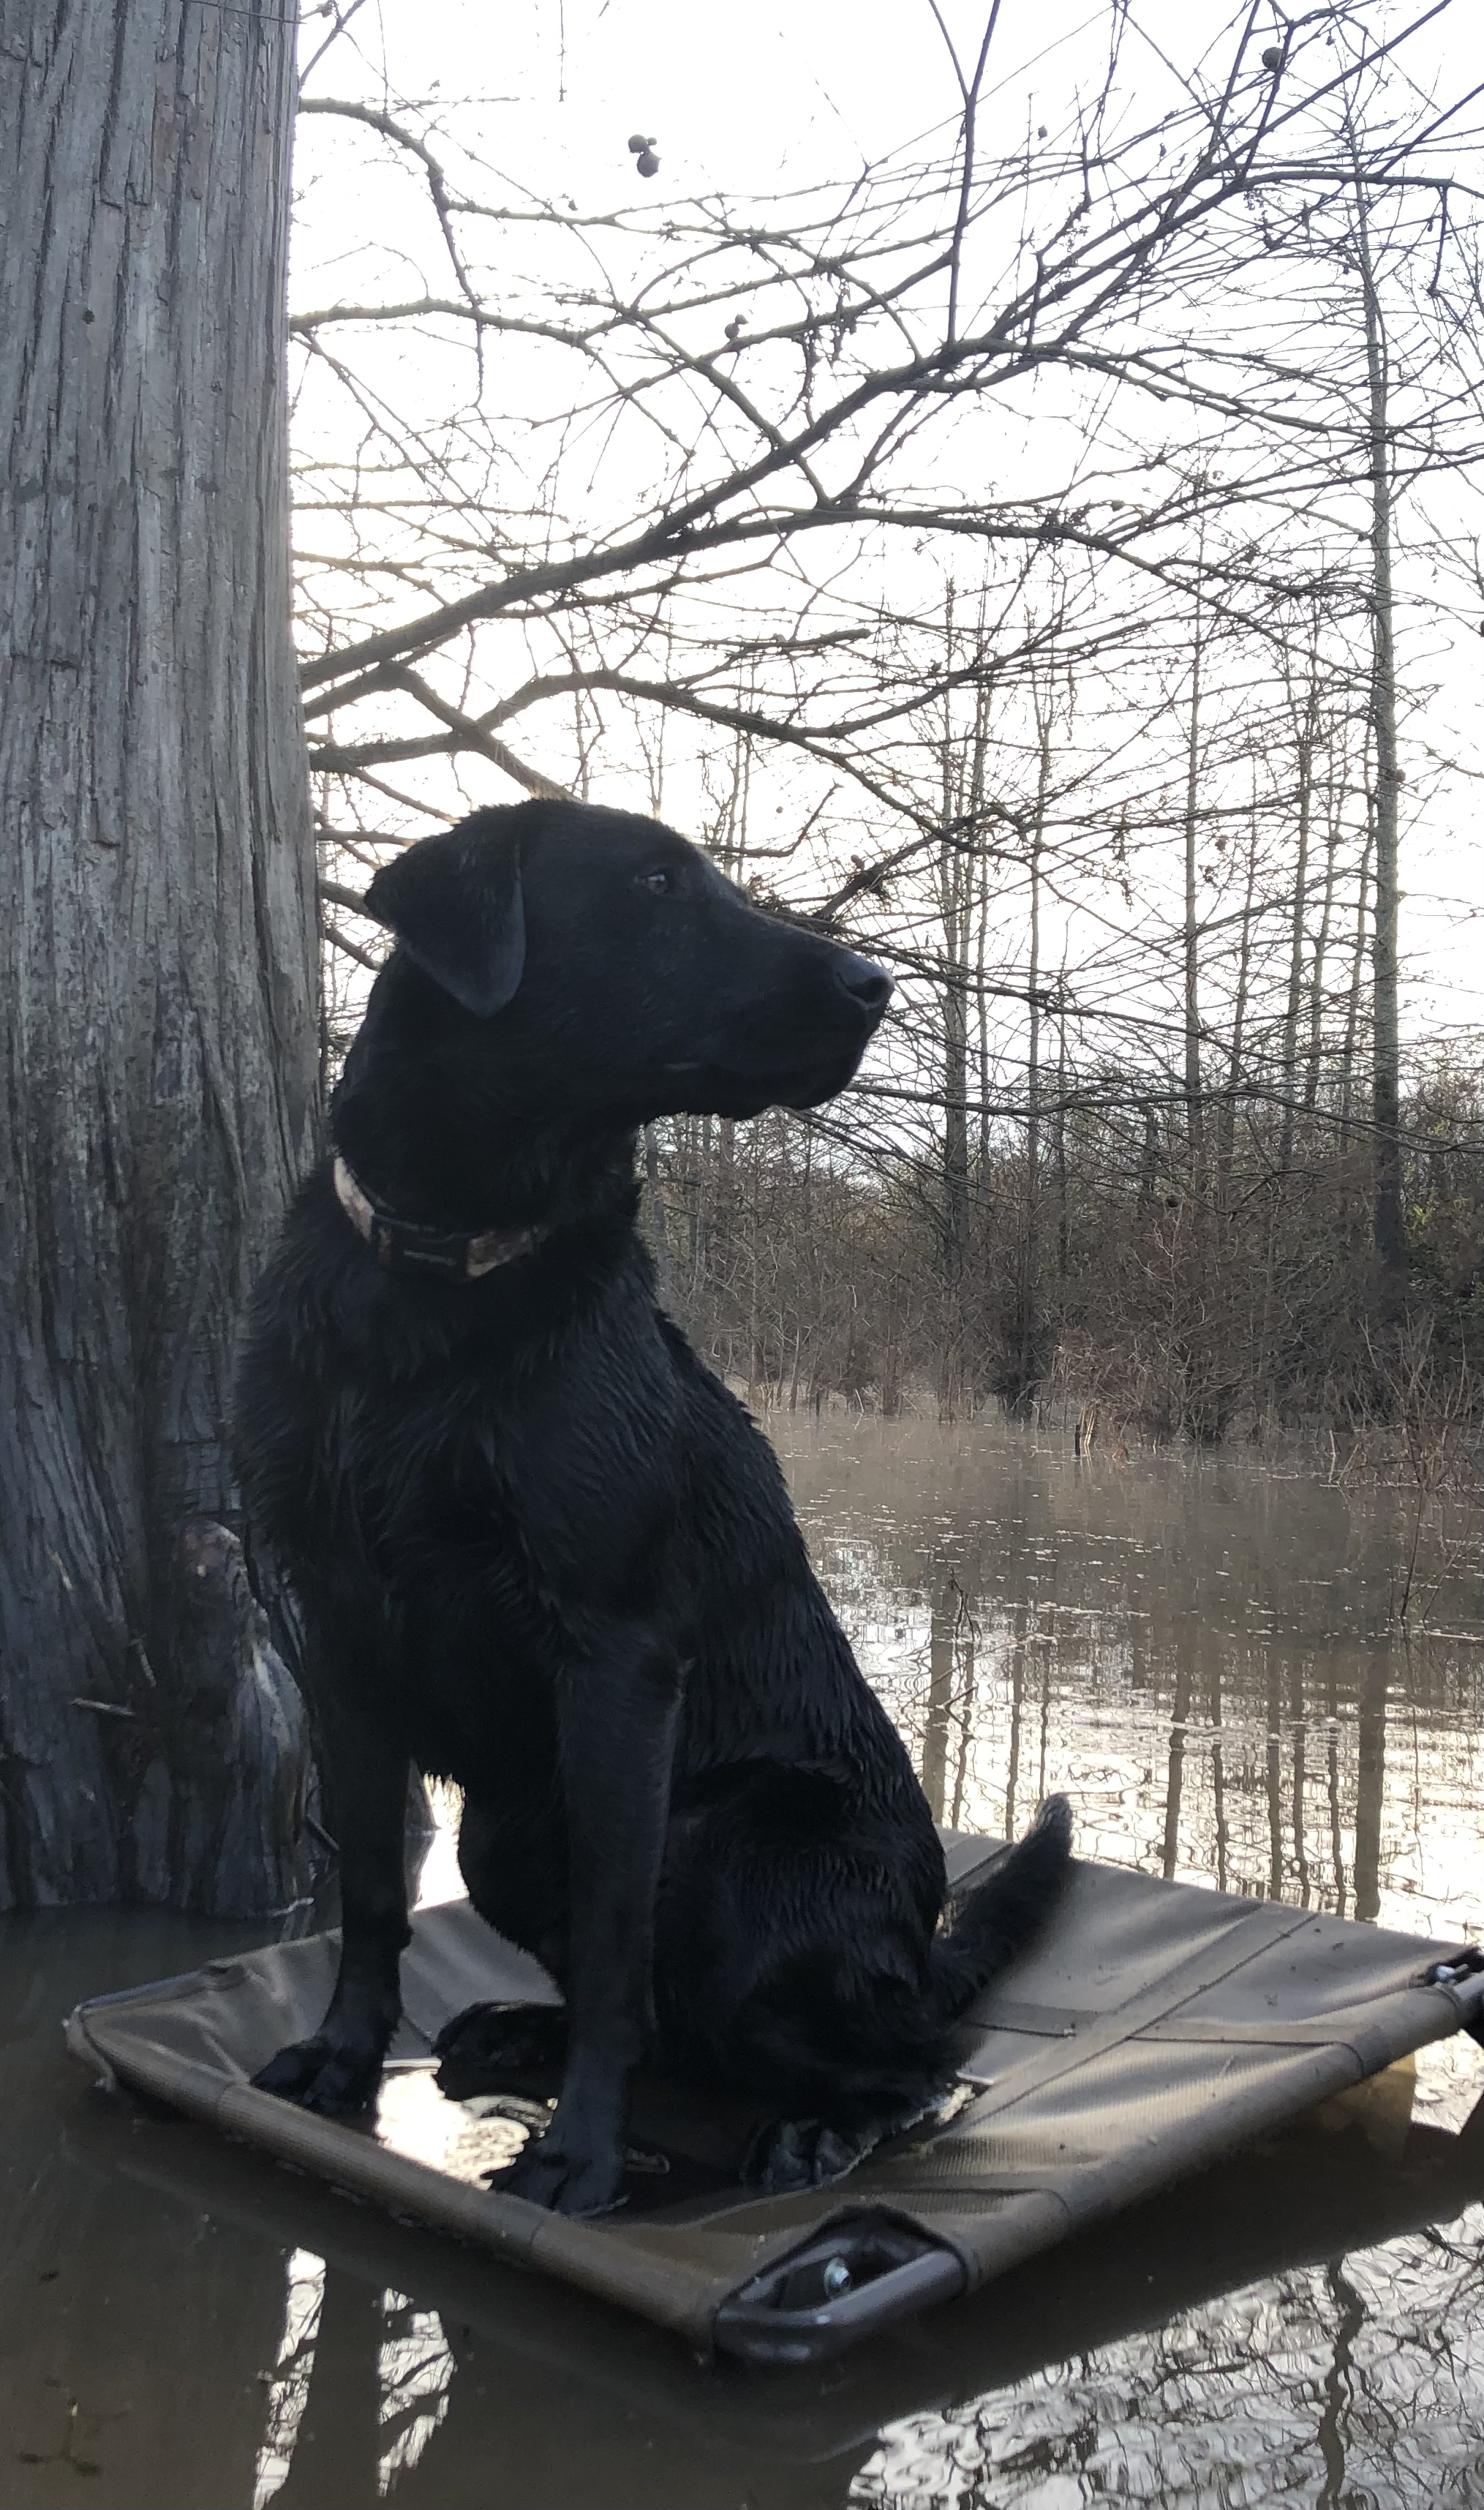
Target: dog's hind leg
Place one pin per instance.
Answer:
(502, 2048)
(513, 1855)
(788, 2155)
(839, 2071)
(800, 1966)
(796, 1966)
(794, 1972)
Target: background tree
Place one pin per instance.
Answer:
(1095, 1148)
(665, 501)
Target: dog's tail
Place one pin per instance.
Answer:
(1002, 1919)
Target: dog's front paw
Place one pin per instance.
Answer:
(563, 2180)
(791, 2153)
(333, 2078)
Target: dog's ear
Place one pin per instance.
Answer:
(454, 903)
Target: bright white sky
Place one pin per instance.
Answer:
(775, 98)
(767, 96)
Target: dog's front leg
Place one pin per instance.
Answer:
(617, 1711)
(338, 2070)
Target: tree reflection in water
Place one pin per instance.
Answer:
(1201, 1657)
(1351, 2386)
(1035, 1623)
(413, 2374)
(1199, 1653)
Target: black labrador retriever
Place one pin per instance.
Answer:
(537, 1547)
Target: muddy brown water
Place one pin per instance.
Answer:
(1203, 1656)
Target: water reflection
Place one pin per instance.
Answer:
(414, 2371)
(289, 2389)
(1203, 1659)
(1207, 1661)
(1340, 2387)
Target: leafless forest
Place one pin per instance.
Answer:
(1049, 558)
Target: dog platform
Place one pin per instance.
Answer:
(1156, 2029)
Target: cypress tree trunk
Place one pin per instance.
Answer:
(158, 1060)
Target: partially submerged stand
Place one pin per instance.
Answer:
(1157, 2028)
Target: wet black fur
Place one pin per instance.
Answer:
(539, 1548)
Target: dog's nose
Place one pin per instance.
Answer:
(867, 985)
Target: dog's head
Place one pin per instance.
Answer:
(612, 973)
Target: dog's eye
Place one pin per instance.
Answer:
(659, 881)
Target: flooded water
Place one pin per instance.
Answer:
(1205, 1659)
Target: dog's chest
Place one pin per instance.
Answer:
(432, 1493)
(475, 1516)
(462, 1521)
(466, 1594)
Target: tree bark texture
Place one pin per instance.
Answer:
(157, 1053)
